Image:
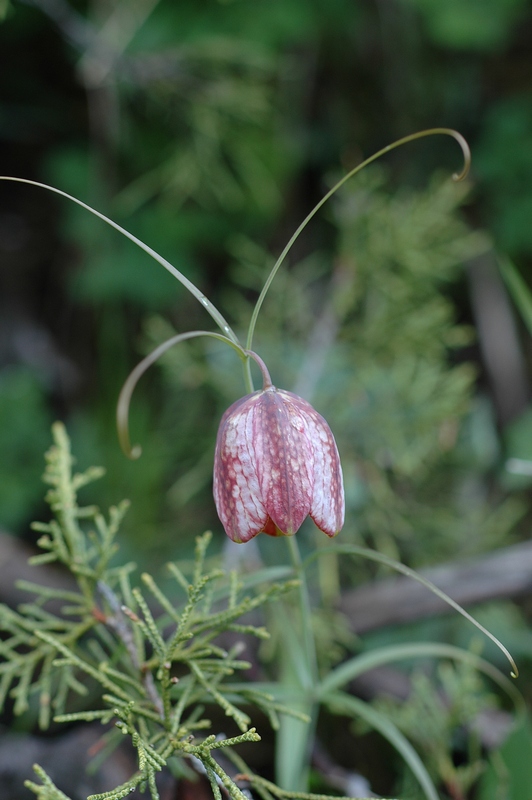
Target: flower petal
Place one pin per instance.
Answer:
(328, 502)
(276, 461)
(283, 459)
(236, 488)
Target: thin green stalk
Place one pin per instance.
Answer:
(205, 302)
(248, 380)
(122, 408)
(405, 140)
(305, 608)
(373, 555)
(518, 288)
(295, 736)
(211, 309)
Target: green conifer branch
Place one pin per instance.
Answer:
(47, 791)
(105, 629)
(241, 719)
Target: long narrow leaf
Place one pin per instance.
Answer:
(205, 302)
(519, 290)
(122, 408)
(385, 655)
(373, 555)
(343, 703)
(294, 737)
(405, 140)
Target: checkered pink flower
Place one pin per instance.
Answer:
(275, 463)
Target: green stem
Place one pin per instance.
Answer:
(266, 379)
(412, 137)
(294, 775)
(248, 379)
(305, 608)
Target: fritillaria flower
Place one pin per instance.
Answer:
(275, 463)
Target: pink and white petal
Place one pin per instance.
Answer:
(328, 502)
(283, 460)
(236, 487)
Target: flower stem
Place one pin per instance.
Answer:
(299, 735)
(305, 608)
(266, 380)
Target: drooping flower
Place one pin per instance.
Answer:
(276, 462)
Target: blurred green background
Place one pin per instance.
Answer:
(210, 129)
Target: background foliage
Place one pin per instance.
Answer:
(210, 130)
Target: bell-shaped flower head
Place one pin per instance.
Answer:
(276, 462)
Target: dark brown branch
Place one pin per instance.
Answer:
(498, 337)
